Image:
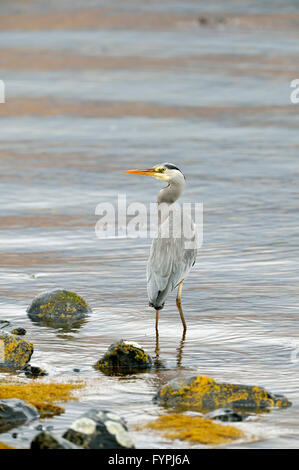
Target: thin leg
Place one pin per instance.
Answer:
(157, 349)
(157, 319)
(179, 304)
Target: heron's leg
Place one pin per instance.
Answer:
(179, 304)
(180, 349)
(157, 348)
(157, 319)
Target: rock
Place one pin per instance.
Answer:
(14, 351)
(226, 415)
(48, 410)
(58, 308)
(45, 440)
(14, 412)
(124, 357)
(99, 430)
(34, 371)
(19, 331)
(202, 393)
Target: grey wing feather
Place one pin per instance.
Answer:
(169, 263)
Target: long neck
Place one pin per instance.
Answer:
(172, 192)
(168, 196)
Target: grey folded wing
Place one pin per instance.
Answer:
(169, 263)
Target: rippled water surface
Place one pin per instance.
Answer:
(90, 92)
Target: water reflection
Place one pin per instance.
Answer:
(158, 362)
(61, 324)
(180, 350)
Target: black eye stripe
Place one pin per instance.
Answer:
(170, 166)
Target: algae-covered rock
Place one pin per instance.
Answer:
(48, 410)
(99, 430)
(18, 331)
(124, 357)
(14, 412)
(14, 351)
(195, 429)
(33, 371)
(202, 393)
(58, 308)
(46, 440)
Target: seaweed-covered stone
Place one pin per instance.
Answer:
(14, 412)
(202, 393)
(100, 430)
(46, 440)
(58, 308)
(124, 357)
(226, 415)
(18, 331)
(14, 352)
(33, 371)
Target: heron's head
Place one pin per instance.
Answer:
(164, 172)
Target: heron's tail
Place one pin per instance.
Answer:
(157, 301)
(157, 307)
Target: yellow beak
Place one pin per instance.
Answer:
(149, 172)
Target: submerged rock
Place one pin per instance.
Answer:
(124, 357)
(14, 351)
(19, 331)
(202, 393)
(14, 412)
(100, 430)
(45, 440)
(58, 308)
(226, 415)
(48, 410)
(195, 429)
(34, 371)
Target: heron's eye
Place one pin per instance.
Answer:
(161, 169)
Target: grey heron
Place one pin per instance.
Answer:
(173, 252)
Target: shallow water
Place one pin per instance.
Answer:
(215, 101)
